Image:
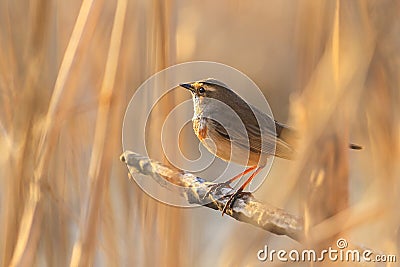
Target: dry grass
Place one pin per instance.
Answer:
(69, 68)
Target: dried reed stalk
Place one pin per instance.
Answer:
(100, 164)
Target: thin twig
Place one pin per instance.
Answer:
(194, 189)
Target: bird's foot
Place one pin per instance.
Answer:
(231, 201)
(216, 187)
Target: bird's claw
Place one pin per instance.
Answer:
(232, 198)
(231, 201)
(215, 187)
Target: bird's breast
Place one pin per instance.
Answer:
(200, 127)
(221, 146)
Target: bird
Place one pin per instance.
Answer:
(234, 130)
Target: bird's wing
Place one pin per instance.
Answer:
(247, 139)
(269, 142)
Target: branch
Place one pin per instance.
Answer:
(246, 208)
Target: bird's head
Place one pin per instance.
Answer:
(208, 88)
(212, 96)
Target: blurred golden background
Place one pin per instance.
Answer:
(69, 68)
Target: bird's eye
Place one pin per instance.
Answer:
(202, 90)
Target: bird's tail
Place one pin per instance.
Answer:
(354, 146)
(286, 142)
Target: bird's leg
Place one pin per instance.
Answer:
(239, 192)
(219, 185)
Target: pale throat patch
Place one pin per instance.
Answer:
(196, 105)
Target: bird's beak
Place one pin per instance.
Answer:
(188, 86)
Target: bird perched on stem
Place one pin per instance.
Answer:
(234, 130)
